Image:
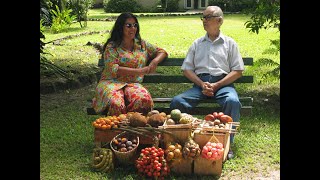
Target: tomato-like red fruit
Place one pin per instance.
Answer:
(209, 117)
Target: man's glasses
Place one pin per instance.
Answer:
(207, 17)
(128, 25)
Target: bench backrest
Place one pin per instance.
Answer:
(162, 78)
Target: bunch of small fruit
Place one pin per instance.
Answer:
(212, 151)
(151, 163)
(102, 160)
(191, 149)
(173, 152)
(107, 122)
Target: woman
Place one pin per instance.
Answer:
(126, 55)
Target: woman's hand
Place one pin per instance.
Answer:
(153, 67)
(145, 70)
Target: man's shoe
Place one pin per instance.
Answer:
(230, 154)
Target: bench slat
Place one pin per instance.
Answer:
(168, 99)
(160, 78)
(248, 61)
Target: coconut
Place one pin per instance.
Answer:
(137, 120)
(156, 120)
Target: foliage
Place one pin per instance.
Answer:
(118, 6)
(266, 14)
(61, 19)
(80, 9)
(44, 13)
(45, 63)
(269, 62)
(172, 6)
(232, 5)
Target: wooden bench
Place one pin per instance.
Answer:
(162, 103)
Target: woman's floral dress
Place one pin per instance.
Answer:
(124, 94)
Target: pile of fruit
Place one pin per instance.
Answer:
(217, 120)
(102, 160)
(212, 151)
(124, 144)
(152, 163)
(191, 149)
(108, 122)
(173, 153)
(176, 117)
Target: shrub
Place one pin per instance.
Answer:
(61, 19)
(172, 6)
(80, 9)
(118, 6)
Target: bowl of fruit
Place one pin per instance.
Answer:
(124, 146)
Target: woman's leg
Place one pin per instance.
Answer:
(107, 98)
(138, 99)
(116, 103)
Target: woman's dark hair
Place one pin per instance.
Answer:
(116, 35)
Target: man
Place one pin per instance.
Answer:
(213, 63)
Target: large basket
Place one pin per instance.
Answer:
(125, 157)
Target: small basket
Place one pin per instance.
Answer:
(125, 157)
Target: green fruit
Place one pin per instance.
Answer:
(175, 115)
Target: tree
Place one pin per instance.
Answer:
(266, 14)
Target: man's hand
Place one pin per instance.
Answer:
(207, 89)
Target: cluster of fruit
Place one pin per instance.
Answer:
(217, 119)
(191, 149)
(124, 144)
(152, 163)
(212, 151)
(102, 160)
(176, 117)
(173, 152)
(107, 122)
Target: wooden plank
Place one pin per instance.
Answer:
(168, 99)
(161, 78)
(248, 61)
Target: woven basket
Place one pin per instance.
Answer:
(125, 157)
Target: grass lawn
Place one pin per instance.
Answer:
(66, 134)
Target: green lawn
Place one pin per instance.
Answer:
(66, 134)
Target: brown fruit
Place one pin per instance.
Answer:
(156, 120)
(137, 120)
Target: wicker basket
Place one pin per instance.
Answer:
(125, 157)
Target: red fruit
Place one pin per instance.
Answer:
(219, 115)
(215, 114)
(225, 119)
(209, 117)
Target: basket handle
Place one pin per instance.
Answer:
(213, 137)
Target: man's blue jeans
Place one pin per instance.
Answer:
(226, 97)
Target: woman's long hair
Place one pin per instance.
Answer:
(116, 36)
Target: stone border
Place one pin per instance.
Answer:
(48, 86)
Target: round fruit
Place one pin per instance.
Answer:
(175, 114)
